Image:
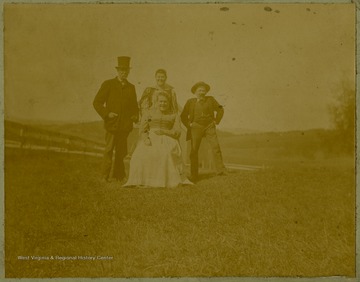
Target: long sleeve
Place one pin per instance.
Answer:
(100, 99)
(145, 100)
(175, 105)
(175, 131)
(219, 111)
(144, 126)
(134, 108)
(177, 125)
(185, 115)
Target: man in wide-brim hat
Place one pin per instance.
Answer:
(116, 103)
(200, 116)
(203, 84)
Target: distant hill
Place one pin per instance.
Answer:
(89, 130)
(231, 137)
(239, 131)
(245, 148)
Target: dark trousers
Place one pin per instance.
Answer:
(209, 132)
(117, 142)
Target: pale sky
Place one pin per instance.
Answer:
(272, 70)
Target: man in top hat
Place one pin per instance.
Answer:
(116, 103)
(200, 115)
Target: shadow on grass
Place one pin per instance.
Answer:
(204, 176)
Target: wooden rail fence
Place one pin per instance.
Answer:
(26, 136)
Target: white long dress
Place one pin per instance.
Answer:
(160, 164)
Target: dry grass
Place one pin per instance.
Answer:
(291, 221)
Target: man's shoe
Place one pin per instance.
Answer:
(122, 181)
(118, 181)
(222, 173)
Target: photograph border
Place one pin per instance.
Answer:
(183, 279)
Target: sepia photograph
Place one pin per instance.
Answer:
(179, 140)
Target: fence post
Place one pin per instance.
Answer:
(67, 142)
(47, 138)
(22, 137)
(85, 148)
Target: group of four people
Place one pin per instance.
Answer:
(157, 158)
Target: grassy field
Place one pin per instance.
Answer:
(294, 220)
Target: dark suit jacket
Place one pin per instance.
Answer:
(187, 115)
(120, 99)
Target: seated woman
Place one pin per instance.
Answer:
(157, 161)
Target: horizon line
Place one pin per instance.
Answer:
(221, 128)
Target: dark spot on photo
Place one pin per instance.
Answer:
(211, 34)
(224, 9)
(277, 11)
(233, 59)
(268, 9)
(308, 9)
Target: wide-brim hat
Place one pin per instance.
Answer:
(198, 84)
(123, 62)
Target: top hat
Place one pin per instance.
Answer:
(123, 62)
(201, 83)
